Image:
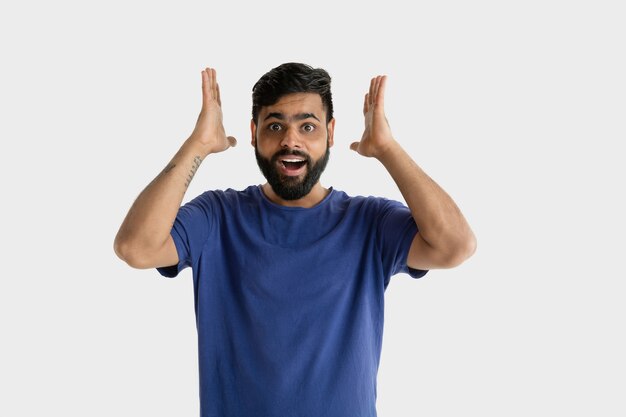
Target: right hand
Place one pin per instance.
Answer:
(209, 131)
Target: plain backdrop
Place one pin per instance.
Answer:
(517, 109)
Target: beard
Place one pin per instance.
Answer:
(292, 188)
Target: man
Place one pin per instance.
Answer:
(289, 277)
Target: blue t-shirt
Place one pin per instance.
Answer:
(289, 301)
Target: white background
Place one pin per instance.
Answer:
(515, 108)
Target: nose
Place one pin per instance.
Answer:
(290, 139)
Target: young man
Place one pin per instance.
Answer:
(289, 277)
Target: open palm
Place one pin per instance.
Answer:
(377, 134)
(209, 130)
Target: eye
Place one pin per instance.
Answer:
(274, 127)
(308, 127)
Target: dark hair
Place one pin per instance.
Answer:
(291, 77)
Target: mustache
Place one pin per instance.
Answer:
(291, 152)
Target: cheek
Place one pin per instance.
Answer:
(319, 149)
(266, 147)
(263, 143)
(319, 145)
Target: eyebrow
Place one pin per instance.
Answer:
(299, 116)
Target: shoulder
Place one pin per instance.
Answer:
(372, 206)
(228, 196)
(369, 201)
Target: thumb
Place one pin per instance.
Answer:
(354, 145)
(232, 141)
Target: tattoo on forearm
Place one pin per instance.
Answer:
(196, 164)
(165, 170)
(168, 168)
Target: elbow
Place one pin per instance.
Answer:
(461, 252)
(123, 251)
(470, 246)
(129, 254)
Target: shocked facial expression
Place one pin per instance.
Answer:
(292, 143)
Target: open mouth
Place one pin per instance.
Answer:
(292, 165)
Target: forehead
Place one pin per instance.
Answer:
(295, 103)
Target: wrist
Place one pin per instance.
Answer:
(197, 148)
(389, 152)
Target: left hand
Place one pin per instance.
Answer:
(377, 136)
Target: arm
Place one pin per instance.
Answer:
(144, 240)
(444, 239)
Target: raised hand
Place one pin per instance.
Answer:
(209, 130)
(377, 136)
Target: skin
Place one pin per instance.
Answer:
(444, 240)
(280, 128)
(143, 240)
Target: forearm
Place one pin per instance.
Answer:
(149, 220)
(441, 223)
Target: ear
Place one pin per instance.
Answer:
(253, 131)
(331, 132)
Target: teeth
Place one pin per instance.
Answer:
(293, 160)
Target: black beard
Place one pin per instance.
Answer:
(291, 188)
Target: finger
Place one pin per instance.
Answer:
(217, 89)
(213, 83)
(232, 141)
(205, 88)
(376, 88)
(354, 145)
(372, 88)
(209, 83)
(376, 85)
(365, 104)
(380, 94)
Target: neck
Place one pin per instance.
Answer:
(313, 198)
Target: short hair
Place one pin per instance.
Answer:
(291, 77)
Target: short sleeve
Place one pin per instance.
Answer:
(189, 232)
(396, 230)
